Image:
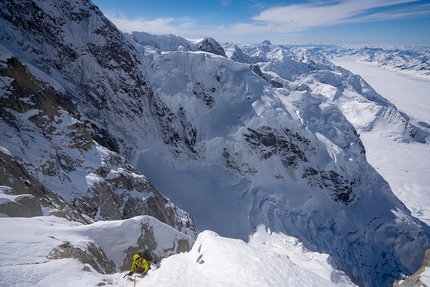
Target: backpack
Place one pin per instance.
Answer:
(147, 255)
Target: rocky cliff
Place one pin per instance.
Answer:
(68, 79)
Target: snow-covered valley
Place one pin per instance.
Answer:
(235, 165)
(404, 165)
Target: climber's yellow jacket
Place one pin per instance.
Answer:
(139, 263)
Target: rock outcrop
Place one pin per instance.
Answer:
(415, 279)
(209, 44)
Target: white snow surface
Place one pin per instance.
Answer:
(218, 100)
(410, 93)
(316, 100)
(425, 276)
(27, 246)
(267, 260)
(236, 205)
(405, 165)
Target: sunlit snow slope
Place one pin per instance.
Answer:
(272, 139)
(31, 256)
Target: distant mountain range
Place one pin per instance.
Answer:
(415, 61)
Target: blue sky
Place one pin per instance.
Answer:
(281, 22)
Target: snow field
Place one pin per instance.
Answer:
(405, 166)
(264, 261)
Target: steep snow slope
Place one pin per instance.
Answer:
(268, 260)
(52, 251)
(247, 153)
(49, 251)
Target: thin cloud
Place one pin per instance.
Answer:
(225, 2)
(305, 16)
(156, 26)
(417, 11)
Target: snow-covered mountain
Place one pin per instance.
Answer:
(172, 43)
(70, 84)
(250, 140)
(414, 60)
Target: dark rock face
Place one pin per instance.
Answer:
(94, 256)
(295, 150)
(269, 142)
(211, 46)
(147, 241)
(204, 94)
(236, 165)
(176, 130)
(30, 195)
(104, 86)
(256, 69)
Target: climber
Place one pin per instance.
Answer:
(139, 265)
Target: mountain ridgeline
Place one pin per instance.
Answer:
(101, 125)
